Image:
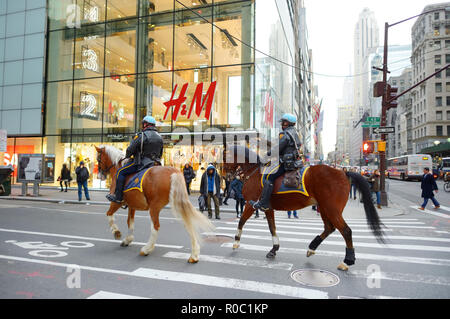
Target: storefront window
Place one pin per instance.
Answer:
(159, 90)
(193, 38)
(118, 9)
(87, 106)
(118, 112)
(60, 53)
(89, 51)
(92, 11)
(120, 47)
(62, 14)
(58, 107)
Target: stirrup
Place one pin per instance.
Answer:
(112, 198)
(257, 205)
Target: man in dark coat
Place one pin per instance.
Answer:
(428, 186)
(210, 188)
(237, 185)
(189, 175)
(82, 179)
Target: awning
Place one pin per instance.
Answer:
(440, 148)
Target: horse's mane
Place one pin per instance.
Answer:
(114, 154)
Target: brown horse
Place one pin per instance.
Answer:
(161, 185)
(327, 187)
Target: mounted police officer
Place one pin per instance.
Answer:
(146, 149)
(289, 155)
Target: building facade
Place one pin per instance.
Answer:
(190, 64)
(431, 100)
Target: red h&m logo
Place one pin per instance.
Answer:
(197, 99)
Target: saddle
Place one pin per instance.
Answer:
(289, 182)
(292, 179)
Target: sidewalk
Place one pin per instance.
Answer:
(354, 208)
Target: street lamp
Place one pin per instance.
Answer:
(437, 143)
(387, 99)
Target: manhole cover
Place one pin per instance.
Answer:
(315, 277)
(217, 239)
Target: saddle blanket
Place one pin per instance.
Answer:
(279, 187)
(135, 180)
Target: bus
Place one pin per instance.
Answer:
(408, 167)
(445, 166)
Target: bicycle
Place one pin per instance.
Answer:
(447, 182)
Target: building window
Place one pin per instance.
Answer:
(439, 75)
(447, 72)
(447, 58)
(437, 45)
(438, 87)
(447, 29)
(438, 115)
(448, 115)
(448, 100)
(447, 44)
(448, 130)
(447, 15)
(439, 130)
(447, 86)
(436, 16)
(437, 59)
(436, 31)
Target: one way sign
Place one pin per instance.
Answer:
(383, 130)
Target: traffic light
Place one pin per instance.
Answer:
(391, 93)
(368, 147)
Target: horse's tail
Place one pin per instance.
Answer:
(194, 221)
(372, 217)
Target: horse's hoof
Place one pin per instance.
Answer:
(192, 260)
(343, 267)
(309, 253)
(123, 244)
(117, 234)
(236, 246)
(271, 254)
(143, 254)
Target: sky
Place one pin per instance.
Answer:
(331, 26)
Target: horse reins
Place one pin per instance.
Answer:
(102, 171)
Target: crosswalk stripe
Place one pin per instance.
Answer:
(416, 278)
(357, 244)
(305, 226)
(320, 252)
(112, 295)
(430, 212)
(81, 237)
(320, 222)
(240, 284)
(445, 208)
(312, 235)
(184, 277)
(302, 227)
(233, 261)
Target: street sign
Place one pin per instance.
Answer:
(370, 125)
(383, 130)
(371, 122)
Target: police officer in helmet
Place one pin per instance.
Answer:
(146, 149)
(289, 155)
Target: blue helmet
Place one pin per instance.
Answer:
(289, 117)
(149, 119)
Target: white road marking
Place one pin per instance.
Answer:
(81, 237)
(426, 211)
(445, 208)
(303, 227)
(233, 261)
(112, 295)
(342, 243)
(416, 278)
(312, 235)
(299, 222)
(211, 281)
(320, 252)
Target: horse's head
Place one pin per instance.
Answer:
(237, 159)
(107, 158)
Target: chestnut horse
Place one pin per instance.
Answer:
(160, 186)
(327, 187)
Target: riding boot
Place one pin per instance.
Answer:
(118, 194)
(264, 202)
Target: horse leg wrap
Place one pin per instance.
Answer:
(349, 256)
(315, 243)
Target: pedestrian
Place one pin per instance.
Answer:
(375, 180)
(189, 175)
(64, 177)
(82, 179)
(227, 192)
(210, 188)
(290, 212)
(428, 185)
(352, 185)
(236, 186)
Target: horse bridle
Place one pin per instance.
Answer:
(241, 171)
(102, 171)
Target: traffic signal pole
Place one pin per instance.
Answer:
(384, 100)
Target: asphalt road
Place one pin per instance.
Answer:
(67, 251)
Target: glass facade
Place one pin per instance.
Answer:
(111, 62)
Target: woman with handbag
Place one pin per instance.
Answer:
(64, 177)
